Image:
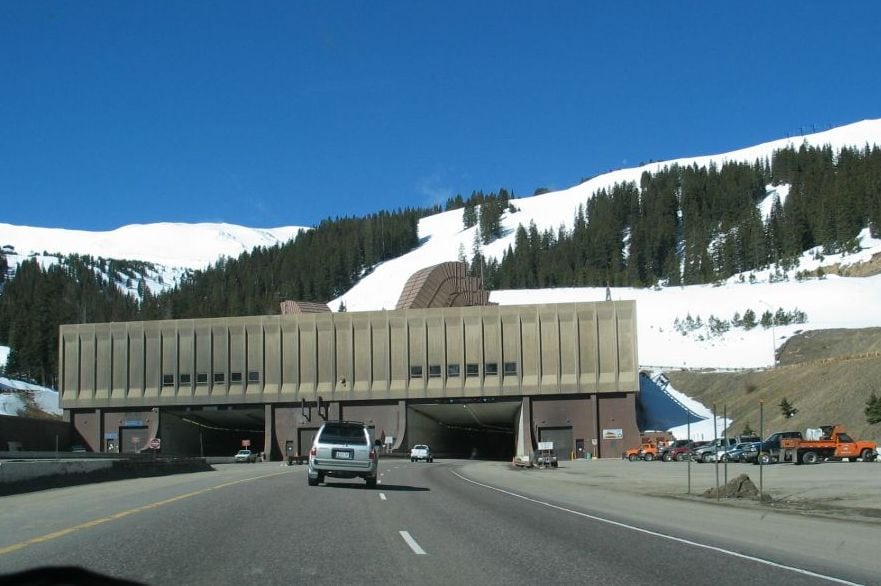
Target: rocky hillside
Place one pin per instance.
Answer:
(827, 375)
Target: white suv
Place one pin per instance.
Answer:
(342, 449)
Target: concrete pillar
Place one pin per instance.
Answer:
(269, 447)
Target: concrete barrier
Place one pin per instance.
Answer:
(23, 470)
(18, 476)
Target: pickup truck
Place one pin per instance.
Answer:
(770, 450)
(421, 452)
(647, 451)
(833, 444)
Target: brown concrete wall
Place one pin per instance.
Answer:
(386, 417)
(87, 428)
(116, 421)
(577, 412)
(617, 412)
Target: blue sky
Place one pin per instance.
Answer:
(285, 113)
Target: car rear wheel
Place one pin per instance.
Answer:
(371, 482)
(633, 457)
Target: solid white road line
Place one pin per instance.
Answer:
(412, 543)
(656, 534)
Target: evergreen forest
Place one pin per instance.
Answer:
(678, 226)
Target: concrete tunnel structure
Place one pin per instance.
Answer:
(468, 379)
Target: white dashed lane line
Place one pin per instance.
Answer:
(382, 496)
(412, 543)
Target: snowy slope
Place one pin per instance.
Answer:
(444, 236)
(12, 397)
(191, 246)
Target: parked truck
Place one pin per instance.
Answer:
(647, 451)
(831, 443)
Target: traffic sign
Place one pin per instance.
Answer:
(246, 443)
(154, 443)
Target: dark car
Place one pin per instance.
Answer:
(679, 450)
(768, 450)
(740, 451)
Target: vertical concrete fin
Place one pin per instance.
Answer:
(524, 440)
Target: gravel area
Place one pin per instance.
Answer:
(850, 490)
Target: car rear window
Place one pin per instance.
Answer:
(343, 434)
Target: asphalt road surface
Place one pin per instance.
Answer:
(443, 523)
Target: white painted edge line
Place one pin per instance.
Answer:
(661, 535)
(382, 496)
(412, 543)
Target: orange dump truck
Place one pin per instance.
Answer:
(832, 444)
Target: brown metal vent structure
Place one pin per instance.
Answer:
(297, 307)
(442, 285)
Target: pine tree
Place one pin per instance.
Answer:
(873, 409)
(787, 408)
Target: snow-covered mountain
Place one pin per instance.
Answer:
(171, 249)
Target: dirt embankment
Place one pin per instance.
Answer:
(864, 269)
(827, 375)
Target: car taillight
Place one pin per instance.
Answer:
(313, 451)
(373, 454)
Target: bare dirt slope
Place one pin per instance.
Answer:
(827, 375)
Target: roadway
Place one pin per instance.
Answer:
(441, 523)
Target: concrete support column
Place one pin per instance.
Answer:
(269, 448)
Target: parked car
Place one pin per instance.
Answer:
(736, 454)
(710, 451)
(769, 450)
(679, 450)
(246, 456)
(342, 449)
(421, 452)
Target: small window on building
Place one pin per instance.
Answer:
(491, 369)
(510, 369)
(434, 371)
(219, 378)
(184, 379)
(202, 378)
(235, 377)
(253, 376)
(452, 370)
(415, 372)
(472, 370)
(167, 380)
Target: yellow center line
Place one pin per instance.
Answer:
(101, 520)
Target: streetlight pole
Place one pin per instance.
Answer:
(773, 336)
